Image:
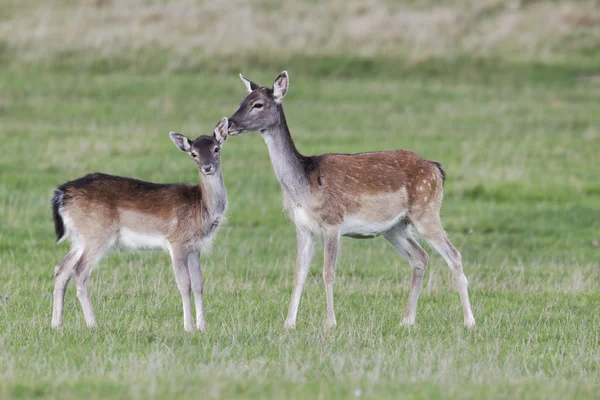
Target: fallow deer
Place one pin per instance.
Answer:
(358, 195)
(99, 211)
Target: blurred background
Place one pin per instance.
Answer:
(175, 36)
(504, 93)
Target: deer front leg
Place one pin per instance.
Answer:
(306, 244)
(331, 241)
(198, 288)
(179, 257)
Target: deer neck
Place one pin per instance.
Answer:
(287, 162)
(214, 196)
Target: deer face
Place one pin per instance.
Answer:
(259, 111)
(206, 150)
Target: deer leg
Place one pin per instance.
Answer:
(433, 231)
(402, 240)
(197, 283)
(81, 275)
(331, 239)
(62, 275)
(305, 242)
(179, 257)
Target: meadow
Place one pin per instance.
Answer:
(519, 140)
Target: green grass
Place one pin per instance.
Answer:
(520, 145)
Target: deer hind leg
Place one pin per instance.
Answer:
(179, 257)
(197, 284)
(431, 228)
(81, 274)
(331, 240)
(401, 238)
(62, 275)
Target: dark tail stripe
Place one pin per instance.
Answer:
(437, 164)
(59, 225)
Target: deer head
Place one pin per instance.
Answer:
(206, 150)
(261, 109)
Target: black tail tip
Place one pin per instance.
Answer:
(59, 225)
(439, 166)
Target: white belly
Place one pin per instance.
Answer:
(355, 226)
(142, 240)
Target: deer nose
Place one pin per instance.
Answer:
(232, 126)
(208, 168)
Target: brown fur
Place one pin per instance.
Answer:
(358, 195)
(371, 181)
(98, 211)
(100, 204)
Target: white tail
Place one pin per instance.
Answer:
(99, 211)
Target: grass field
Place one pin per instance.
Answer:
(519, 139)
(522, 204)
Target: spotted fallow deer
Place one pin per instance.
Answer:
(358, 195)
(99, 211)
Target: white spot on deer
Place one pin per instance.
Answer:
(426, 199)
(418, 187)
(424, 180)
(421, 170)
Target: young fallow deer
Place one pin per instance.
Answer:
(358, 195)
(99, 211)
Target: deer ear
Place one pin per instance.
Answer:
(181, 141)
(250, 86)
(221, 131)
(280, 86)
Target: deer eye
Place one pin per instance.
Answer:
(258, 105)
(194, 155)
(216, 150)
